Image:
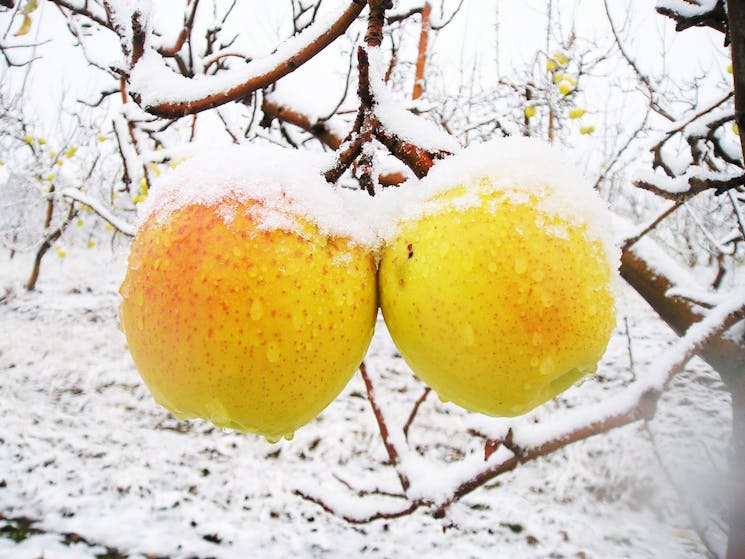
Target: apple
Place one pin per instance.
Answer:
(497, 293)
(241, 310)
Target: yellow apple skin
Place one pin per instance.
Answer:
(256, 330)
(498, 307)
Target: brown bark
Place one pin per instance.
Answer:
(421, 59)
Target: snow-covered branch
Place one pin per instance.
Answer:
(98, 207)
(699, 13)
(163, 92)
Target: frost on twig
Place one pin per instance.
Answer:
(100, 209)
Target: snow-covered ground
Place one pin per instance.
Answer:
(89, 457)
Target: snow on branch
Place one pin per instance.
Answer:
(98, 207)
(694, 181)
(165, 93)
(396, 119)
(695, 13)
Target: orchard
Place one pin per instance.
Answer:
(323, 203)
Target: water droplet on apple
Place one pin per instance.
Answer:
(257, 310)
(444, 247)
(492, 267)
(545, 298)
(547, 366)
(289, 436)
(521, 265)
(124, 290)
(272, 439)
(468, 335)
(297, 319)
(272, 352)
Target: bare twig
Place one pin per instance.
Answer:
(415, 409)
(383, 427)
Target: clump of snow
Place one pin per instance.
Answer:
(518, 167)
(121, 14)
(685, 8)
(288, 183)
(397, 119)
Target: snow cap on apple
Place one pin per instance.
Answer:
(497, 276)
(250, 294)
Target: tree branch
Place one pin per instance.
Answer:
(283, 66)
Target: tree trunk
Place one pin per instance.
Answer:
(725, 354)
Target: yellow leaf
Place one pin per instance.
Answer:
(49, 177)
(101, 138)
(61, 252)
(565, 87)
(551, 65)
(576, 112)
(70, 152)
(735, 129)
(587, 130)
(42, 141)
(729, 68)
(108, 227)
(91, 243)
(30, 6)
(561, 58)
(558, 76)
(529, 111)
(28, 139)
(25, 27)
(52, 154)
(79, 223)
(2, 163)
(59, 163)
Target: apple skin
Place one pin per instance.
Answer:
(499, 306)
(251, 328)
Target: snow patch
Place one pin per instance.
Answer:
(288, 183)
(516, 167)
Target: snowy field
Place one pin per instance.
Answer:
(101, 471)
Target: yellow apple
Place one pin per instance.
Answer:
(246, 315)
(496, 295)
